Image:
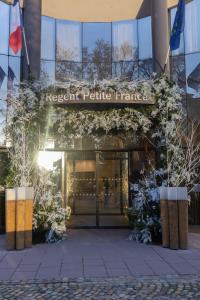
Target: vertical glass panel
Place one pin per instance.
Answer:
(2, 121)
(68, 70)
(97, 71)
(68, 41)
(4, 80)
(4, 28)
(97, 42)
(181, 48)
(126, 70)
(48, 38)
(145, 69)
(192, 27)
(48, 71)
(11, 22)
(125, 41)
(15, 65)
(178, 70)
(145, 38)
(193, 74)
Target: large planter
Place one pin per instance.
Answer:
(39, 236)
(19, 218)
(10, 216)
(2, 212)
(174, 217)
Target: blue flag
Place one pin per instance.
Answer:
(178, 27)
(2, 76)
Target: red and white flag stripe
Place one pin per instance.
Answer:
(15, 40)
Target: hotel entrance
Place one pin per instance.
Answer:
(96, 188)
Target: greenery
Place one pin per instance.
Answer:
(31, 120)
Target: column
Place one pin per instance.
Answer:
(160, 34)
(32, 25)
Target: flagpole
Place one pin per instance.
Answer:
(166, 60)
(25, 43)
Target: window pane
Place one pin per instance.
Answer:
(145, 38)
(15, 65)
(4, 66)
(125, 70)
(178, 71)
(2, 121)
(48, 38)
(12, 20)
(181, 48)
(4, 28)
(68, 70)
(48, 71)
(125, 41)
(192, 27)
(99, 71)
(145, 69)
(68, 41)
(97, 42)
(193, 74)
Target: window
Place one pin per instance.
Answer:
(48, 38)
(192, 27)
(125, 41)
(68, 42)
(48, 71)
(193, 74)
(4, 66)
(97, 42)
(181, 48)
(4, 28)
(145, 38)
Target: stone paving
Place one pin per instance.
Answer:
(168, 288)
(100, 264)
(97, 253)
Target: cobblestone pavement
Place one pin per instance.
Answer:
(171, 288)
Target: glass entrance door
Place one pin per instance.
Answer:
(97, 188)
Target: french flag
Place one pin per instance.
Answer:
(15, 40)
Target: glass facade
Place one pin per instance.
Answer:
(96, 51)
(7, 59)
(185, 62)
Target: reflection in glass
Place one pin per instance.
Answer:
(48, 38)
(181, 48)
(178, 71)
(96, 71)
(68, 42)
(2, 121)
(193, 74)
(145, 38)
(125, 42)
(15, 64)
(68, 70)
(4, 28)
(125, 70)
(97, 42)
(4, 66)
(192, 27)
(48, 71)
(145, 69)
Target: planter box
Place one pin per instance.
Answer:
(10, 218)
(19, 218)
(174, 217)
(24, 217)
(2, 212)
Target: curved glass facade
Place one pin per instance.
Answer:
(7, 59)
(96, 51)
(186, 61)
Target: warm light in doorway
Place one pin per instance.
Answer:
(46, 159)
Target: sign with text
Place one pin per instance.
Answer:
(98, 97)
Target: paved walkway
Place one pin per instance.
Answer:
(97, 254)
(170, 288)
